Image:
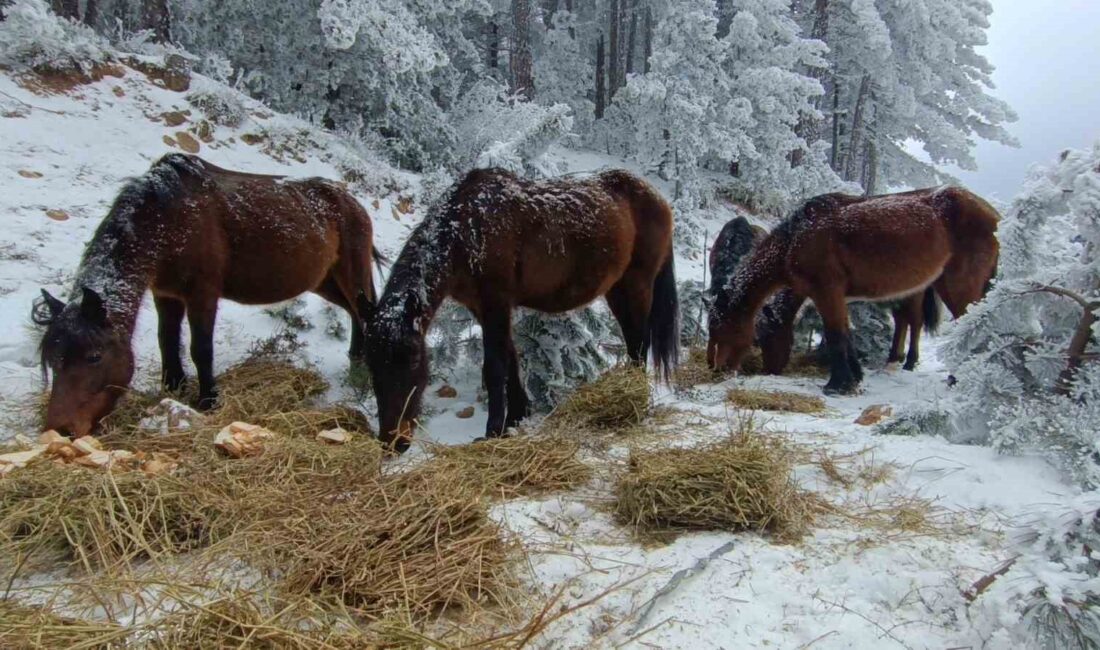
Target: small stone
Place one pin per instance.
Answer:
(187, 142)
(173, 118)
(465, 413)
(874, 414)
(376, 204)
(404, 205)
(168, 140)
(446, 390)
(335, 436)
(251, 138)
(118, 91)
(205, 131)
(26, 173)
(57, 215)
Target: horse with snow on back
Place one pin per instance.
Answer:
(837, 248)
(499, 242)
(194, 233)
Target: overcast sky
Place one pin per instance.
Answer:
(1047, 54)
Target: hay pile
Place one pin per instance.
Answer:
(521, 465)
(742, 483)
(24, 626)
(694, 370)
(618, 399)
(775, 400)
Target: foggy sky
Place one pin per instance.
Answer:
(1047, 54)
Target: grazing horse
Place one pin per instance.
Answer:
(194, 233)
(776, 320)
(837, 247)
(499, 242)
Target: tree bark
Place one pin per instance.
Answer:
(155, 16)
(66, 8)
(494, 44)
(1076, 352)
(856, 135)
(725, 19)
(809, 127)
(520, 59)
(614, 55)
(572, 30)
(601, 97)
(834, 154)
(632, 37)
(648, 37)
(870, 168)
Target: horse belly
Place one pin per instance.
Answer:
(564, 279)
(283, 266)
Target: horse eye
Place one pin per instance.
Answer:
(95, 358)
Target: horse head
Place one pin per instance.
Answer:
(90, 359)
(397, 357)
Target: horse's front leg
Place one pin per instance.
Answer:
(844, 371)
(169, 323)
(496, 326)
(201, 315)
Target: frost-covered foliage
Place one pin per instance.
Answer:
(1049, 597)
(454, 338)
(561, 351)
(1014, 353)
(872, 332)
(693, 312)
(220, 105)
(31, 36)
(496, 129)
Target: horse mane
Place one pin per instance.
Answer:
(120, 240)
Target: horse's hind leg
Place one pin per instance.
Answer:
(500, 354)
(900, 326)
(169, 323)
(630, 300)
(519, 405)
(844, 371)
(201, 315)
(915, 325)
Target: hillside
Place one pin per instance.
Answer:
(926, 518)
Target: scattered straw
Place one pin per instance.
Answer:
(421, 541)
(806, 364)
(618, 399)
(769, 400)
(520, 465)
(743, 483)
(694, 370)
(31, 627)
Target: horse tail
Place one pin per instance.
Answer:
(931, 309)
(664, 320)
(380, 263)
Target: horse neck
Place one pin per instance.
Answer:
(119, 266)
(755, 280)
(421, 276)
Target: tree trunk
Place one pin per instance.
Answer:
(494, 44)
(834, 154)
(155, 17)
(614, 55)
(1076, 352)
(91, 13)
(601, 98)
(854, 139)
(66, 8)
(870, 168)
(632, 38)
(572, 30)
(648, 37)
(725, 19)
(520, 60)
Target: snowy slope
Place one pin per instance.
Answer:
(844, 586)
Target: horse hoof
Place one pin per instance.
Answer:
(841, 391)
(909, 366)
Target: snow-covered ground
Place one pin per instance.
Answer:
(845, 586)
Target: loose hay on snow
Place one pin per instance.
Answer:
(420, 541)
(520, 465)
(27, 627)
(694, 370)
(775, 400)
(618, 399)
(742, 483)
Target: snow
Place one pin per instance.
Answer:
(844, 586)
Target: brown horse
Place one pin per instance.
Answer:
(838, 247)
(499, 242)
(776, 320)
(194, 233)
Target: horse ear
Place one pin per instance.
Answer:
(92, 307)
(46, 309)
